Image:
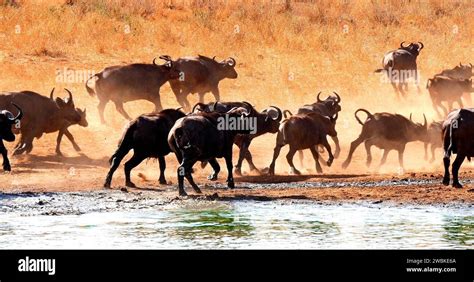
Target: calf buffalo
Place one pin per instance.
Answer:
(42, 115)
(121, 84)
(400, 65)
(6, 121)
(388, 132)
(200, 75)
(304, 131)
(205, 137)
(147, 135)
(458, 130)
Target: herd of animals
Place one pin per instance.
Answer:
(193, 133)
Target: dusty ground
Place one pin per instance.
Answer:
(49, 173)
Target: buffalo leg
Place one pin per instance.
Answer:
(248, 157)
(368, 145)
(243, 154)
(289, 159)
(425, 145)
(188, 165)
(395, 88)
(58, 142)
(216, 94)
(276, 153)
(338, 147)
(129, 165)
(71, 138)
(455, 170)
(114, 163)
(101, 108)
(216, 169)
(228, 162)
(446, 161)
(301, 156)
(6, 162)
(162, 162)
(201, 96)
(316, 159)
(433, 148)
(182, 100)
(354, 146)
(157, 102)
(401, 151)
(384, 157)
(121, 110)
(328, 148)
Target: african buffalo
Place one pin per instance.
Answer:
(267, 121)
(200, 75)
(42, 115)
(147, 135)
(460, 72)
(388, 132)
(329, 107)
(205, 137)
(446, 89)
(458, 132)
(304, 131)
(7, 120)
(400, 65)
(121, 84)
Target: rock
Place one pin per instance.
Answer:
(40, 202)
(377, 202)
(123, 189)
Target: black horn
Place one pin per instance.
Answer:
(19, 115)
(338, 97)
(165, 57)
(422, 46)
(70, 96)
(425, 124)
(319, 99)
(401, 45)
(279, 113)
(51, 94)
(231, 61)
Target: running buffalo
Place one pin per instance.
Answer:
(121, 84)
(400, 65)
(147, 135)
(43, 115)
(458, 130)
(200, 75)
(388, 132)
(205, 137)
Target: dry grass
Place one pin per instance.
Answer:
(285, 54)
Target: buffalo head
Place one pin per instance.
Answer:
(413, 48)
(168, 68)
(7, 119)
(331, 102)
(227, 67)
(273, 118)
(66, 107)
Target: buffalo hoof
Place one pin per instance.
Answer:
(59, 154)
(238, 171)
(162, 181)
(212, 177)
(197, 190)
(446, 181)
(257, 171)
(329, 162)
(106, 185)
(7, 167)
(432, 160)
(130, 184)
(294, 171)
(337, 153)
(345, 164)
(231, 184)
(182, 193)
(457, 185)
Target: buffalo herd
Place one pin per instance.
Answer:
(206, 132)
